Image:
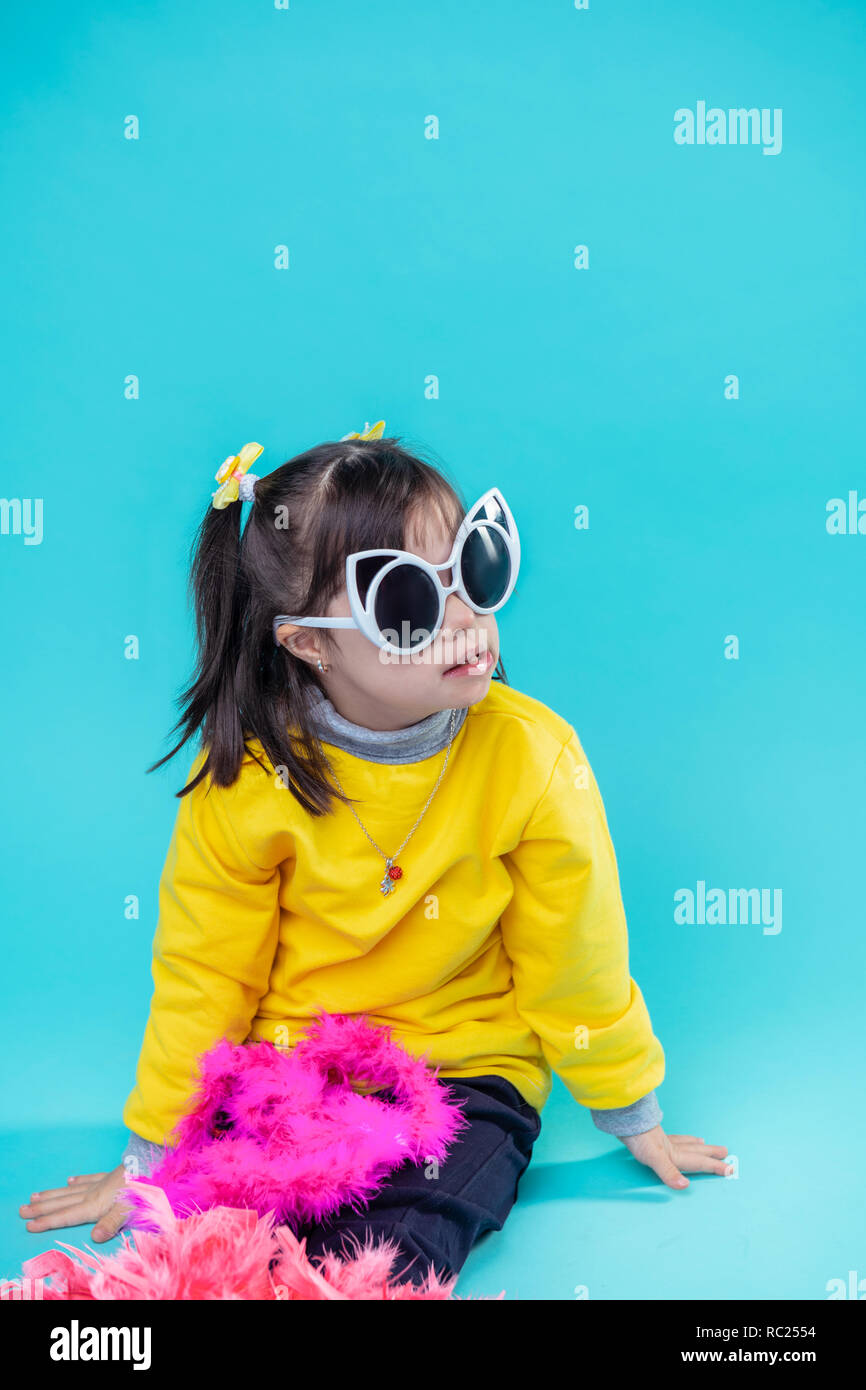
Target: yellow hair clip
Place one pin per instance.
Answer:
(231, 475)
(370, 431)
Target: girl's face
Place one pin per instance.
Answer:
(382, 691)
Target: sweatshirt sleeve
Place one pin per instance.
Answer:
(213, 951)
(566, 935)
(644, 1114)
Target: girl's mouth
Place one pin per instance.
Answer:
(473, 668)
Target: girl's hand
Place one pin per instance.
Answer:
(669, 1155)
(90, 1197)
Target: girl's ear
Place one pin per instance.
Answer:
(301, 642)
(284, 633)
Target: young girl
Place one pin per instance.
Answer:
(378, 824)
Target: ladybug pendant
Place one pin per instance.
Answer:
(389, 882)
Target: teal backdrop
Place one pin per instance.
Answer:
(493, 239)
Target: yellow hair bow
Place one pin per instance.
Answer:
(370, 431)
(230, 474)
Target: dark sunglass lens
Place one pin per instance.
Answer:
(485, 566)
(493, 512)
(366, 571)
(406, 605)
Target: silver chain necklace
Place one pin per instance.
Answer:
(392, 869)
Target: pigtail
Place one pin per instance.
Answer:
(219, 595)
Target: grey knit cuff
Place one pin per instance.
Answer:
(140, 1155)
(627, 1120)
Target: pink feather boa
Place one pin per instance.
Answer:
(285, 1132)
(271, 1139)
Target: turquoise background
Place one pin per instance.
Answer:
(603, 387)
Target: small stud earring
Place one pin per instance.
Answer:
(321, 667)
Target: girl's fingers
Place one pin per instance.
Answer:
(703, 1163)
(707, 1150)
(47, 1205)
(87, 1181)
(691, 1139)
(669, 1172)
(66, 1216)
(88, 1177)
(108, 1226)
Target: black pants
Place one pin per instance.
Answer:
(437, 1220)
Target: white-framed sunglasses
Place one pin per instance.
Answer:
(397, 598)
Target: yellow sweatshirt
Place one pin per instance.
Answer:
(503, 948)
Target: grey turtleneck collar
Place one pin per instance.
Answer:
(410, 745)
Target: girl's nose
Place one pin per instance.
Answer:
(460, 631)
(457, 613)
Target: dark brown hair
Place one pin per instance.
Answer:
(306, 517)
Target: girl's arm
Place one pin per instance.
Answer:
(212, 955)
(213, 951)
(565, 932)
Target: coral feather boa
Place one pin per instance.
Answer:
(223, 1254)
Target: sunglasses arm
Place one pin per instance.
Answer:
(310, 622)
